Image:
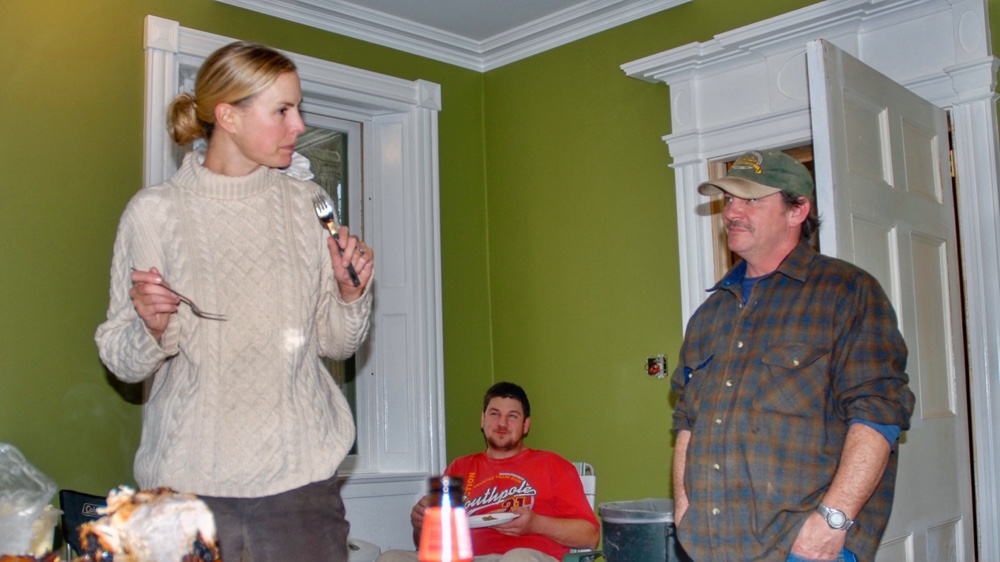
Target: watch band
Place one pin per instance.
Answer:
(835, 518)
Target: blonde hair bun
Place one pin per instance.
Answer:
(233, 74)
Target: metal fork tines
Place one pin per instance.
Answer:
(194, 308)
(324, 210)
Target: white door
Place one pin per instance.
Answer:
(885, 194)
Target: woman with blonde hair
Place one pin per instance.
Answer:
(241, 411)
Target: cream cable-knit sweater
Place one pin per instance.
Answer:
(245, 407)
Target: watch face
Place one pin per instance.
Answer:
(837, 519)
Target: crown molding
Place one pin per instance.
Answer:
(358, 22)
(755, 42)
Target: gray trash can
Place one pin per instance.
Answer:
(640, 531)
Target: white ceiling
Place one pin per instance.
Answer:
(476, 34)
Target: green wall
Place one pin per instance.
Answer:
(583, 246)
(559, 246)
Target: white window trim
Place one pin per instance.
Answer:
(401, 368)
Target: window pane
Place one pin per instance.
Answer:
(327, 153)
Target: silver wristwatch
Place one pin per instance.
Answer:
(835, 518)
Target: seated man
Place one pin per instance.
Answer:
(541, 488)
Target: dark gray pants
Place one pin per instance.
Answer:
(306, 524)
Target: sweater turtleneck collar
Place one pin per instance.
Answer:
(195, 177)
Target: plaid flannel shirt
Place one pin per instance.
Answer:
(767, 389)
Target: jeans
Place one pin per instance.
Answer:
(516, 555)
(845, 556)
(306, 524)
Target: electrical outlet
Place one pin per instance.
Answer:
(656, 366)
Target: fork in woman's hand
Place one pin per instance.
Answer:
(194, 308)
(324, 210)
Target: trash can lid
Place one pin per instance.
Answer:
(649, 510)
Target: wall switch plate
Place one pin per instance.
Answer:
(656, 366)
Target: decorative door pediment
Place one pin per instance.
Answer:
(747, 89)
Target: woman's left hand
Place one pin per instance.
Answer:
(356, 253)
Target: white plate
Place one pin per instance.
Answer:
(490, 519)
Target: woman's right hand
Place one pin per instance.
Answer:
(153, 303)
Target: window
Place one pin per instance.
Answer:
(388, 129)
(332, 147)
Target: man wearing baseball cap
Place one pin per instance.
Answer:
(791, 387)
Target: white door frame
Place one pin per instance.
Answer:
(937, 48)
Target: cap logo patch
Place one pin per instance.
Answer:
(750, 161)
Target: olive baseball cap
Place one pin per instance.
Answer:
(758, 174)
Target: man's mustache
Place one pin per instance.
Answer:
(734, 223)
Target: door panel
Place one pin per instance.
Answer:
(936, 373)
(887, 202)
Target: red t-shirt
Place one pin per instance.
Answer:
(545, 482)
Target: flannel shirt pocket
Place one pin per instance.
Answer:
(797, 381)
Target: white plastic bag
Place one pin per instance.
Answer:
(24, 493)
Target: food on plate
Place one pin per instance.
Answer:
(151, 526)
(491, 519)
